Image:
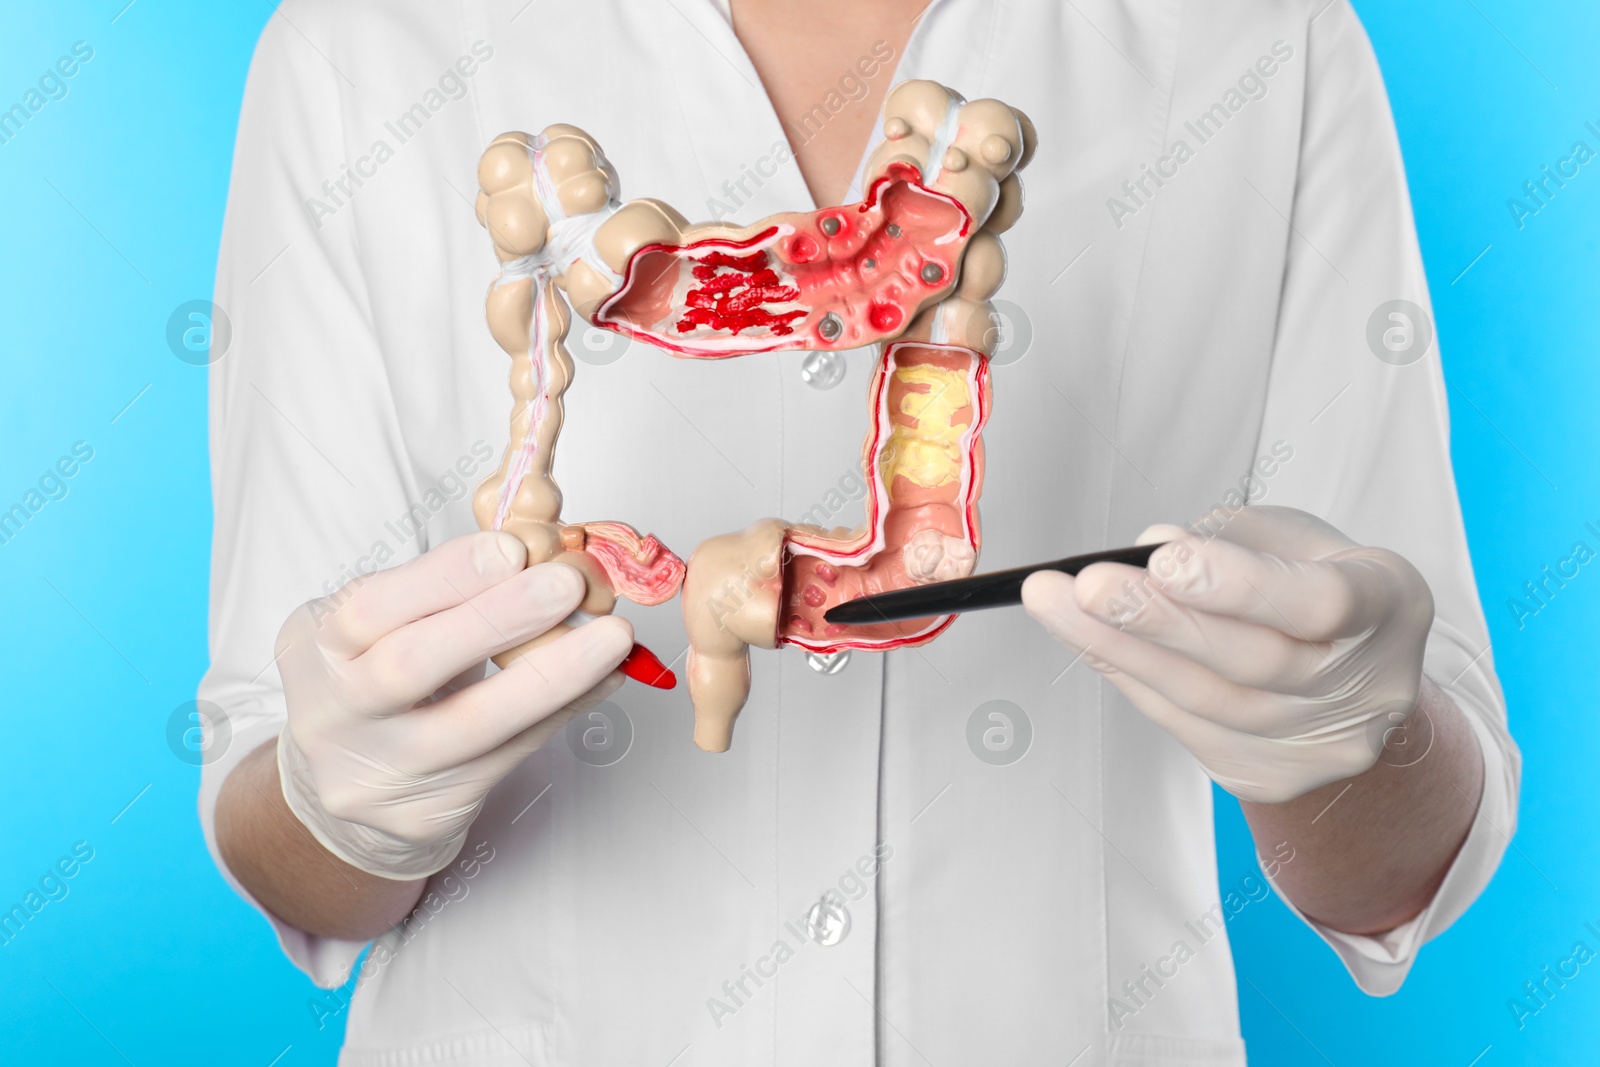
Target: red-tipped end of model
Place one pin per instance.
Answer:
(643, 666)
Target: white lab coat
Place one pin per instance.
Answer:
(1174, 341)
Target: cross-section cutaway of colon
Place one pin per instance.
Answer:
(909, 269)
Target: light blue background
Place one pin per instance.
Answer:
(111, 201)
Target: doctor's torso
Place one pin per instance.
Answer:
(976, 836)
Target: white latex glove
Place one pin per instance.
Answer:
(1278, 651)
(389, 780)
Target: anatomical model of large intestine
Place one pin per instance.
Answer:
(910, 268)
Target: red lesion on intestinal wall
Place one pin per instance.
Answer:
(731, 292)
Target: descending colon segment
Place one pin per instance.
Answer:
(929, 404)
(911, 267)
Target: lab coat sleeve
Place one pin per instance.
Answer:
(1370, 439)
(306, 458)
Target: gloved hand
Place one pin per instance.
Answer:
(389, 780)
(1274, 648)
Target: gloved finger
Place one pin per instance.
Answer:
(1267, 528)
(1312, 600)
(1252, 768)
(412, 662)
(1161, 531)
(535, 685)
(352, 620)
(1051, 598)
(1243, 652)
(503, 760)
(1193, 732)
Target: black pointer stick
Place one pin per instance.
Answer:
(969, 594)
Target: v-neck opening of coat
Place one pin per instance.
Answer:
(724, 9)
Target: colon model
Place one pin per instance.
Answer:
(911, 268)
